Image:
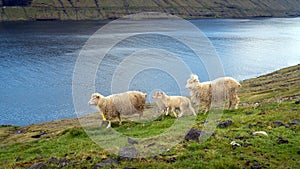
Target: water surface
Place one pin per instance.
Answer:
(37, 61)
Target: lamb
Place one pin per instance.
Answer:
(174, 102)
(159, 102)
(128, 103)
(202, 92)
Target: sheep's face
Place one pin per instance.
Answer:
(157, 95)
(95, 99)
(192, 82)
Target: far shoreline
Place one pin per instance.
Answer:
(106, 20)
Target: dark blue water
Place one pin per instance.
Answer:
(37, 61)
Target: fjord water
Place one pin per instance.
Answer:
(37, 60)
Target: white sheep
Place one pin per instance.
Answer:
(174, 102)
(159, 102)
(202, 92)
(128, 103)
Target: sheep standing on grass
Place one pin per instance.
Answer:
(128, 103)
(174, 102)
(159, 102)
(202, 92)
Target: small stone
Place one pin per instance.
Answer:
(130, 168)
(128, 153)
(245, 104)
(131, 141)
(239, 137)
(248, 113)
(225, 124)
(204, 122)
(37, 166)
(171, 160)
(256, 166)
(53, 160)
(109, 161)
(63, 162)
(294, 122)
(19, 159)
(245, 144)
(18, 132)
(278, 123)
(282, 141)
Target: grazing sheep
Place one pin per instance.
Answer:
(128, 103)
(202, 92)
(175, 102)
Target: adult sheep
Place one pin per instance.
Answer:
(202, 92)
(113, 106)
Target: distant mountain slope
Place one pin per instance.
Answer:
(110, 9)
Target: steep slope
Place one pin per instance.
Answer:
(107, 9)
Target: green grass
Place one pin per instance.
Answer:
(67, 139)
(74, 144)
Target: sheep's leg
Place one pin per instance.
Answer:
(237, 103)
(120, 121)
(167, 111)
(109, 124)
(173, 110)
(180, 113)
(190, 107)
(229, 104)
(140, 115)
(207, 105)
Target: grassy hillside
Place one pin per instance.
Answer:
(65, 144)
(108, 9)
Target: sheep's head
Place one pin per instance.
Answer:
(192, 81)
(95, 98)
(157, 95)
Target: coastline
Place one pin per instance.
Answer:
(252, 90)
(100, 10)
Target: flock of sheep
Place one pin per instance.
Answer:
(133, 102)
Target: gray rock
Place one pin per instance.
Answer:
(256, 166)
(282, 141)
(294, 122)
(128, 153)
(131, 141)
(225, 124)
(37, 166)
(53, 160)
(63, 162)
(278, 123)
(109, 161)
(19, 159)
(194, 134)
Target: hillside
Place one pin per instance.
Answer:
(108, 9)
(64, 143)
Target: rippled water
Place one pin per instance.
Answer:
(37, 61)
